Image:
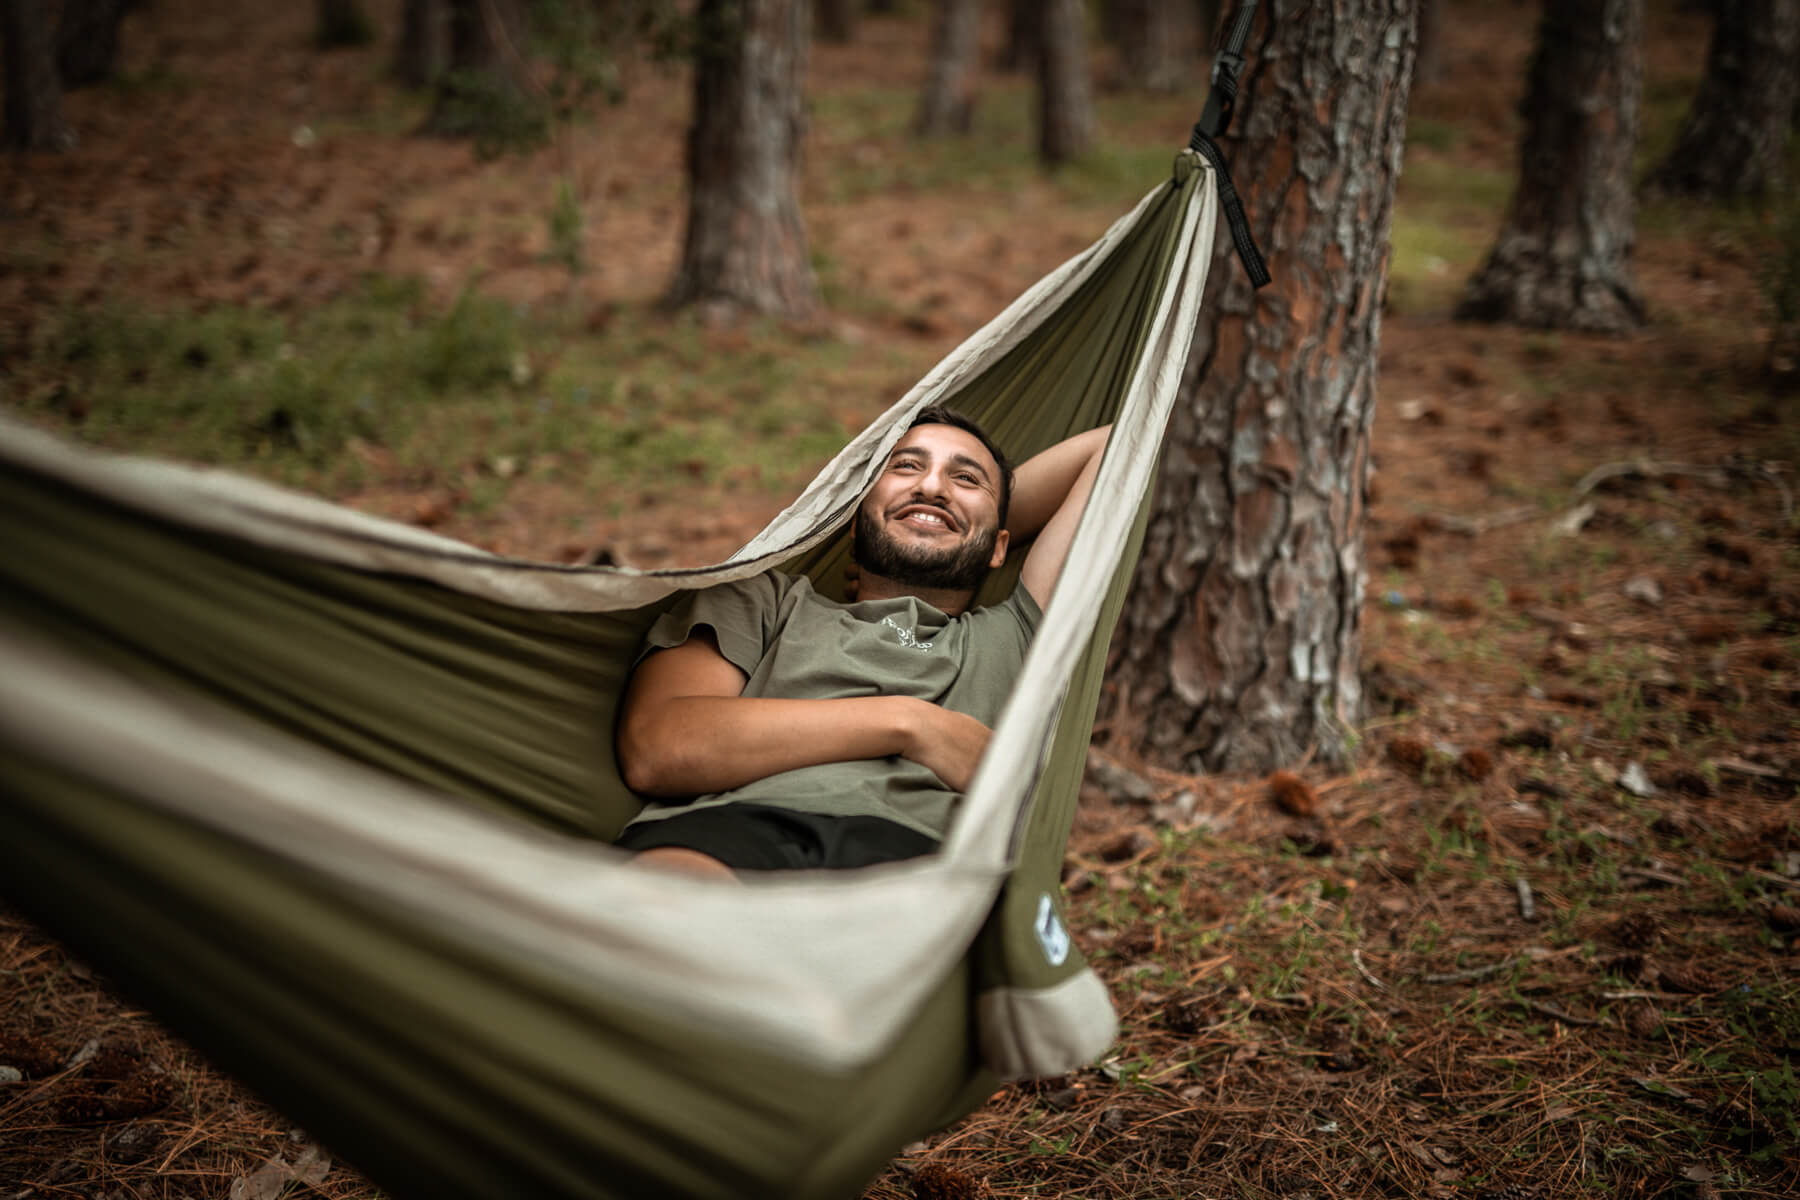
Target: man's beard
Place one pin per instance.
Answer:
(959, 568)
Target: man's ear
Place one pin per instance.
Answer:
(999, 557)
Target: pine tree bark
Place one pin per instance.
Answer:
(1563, 257)
(1733, 141)
(1065, 93)
(34, 113)
(745, 247)
(1157, 47)
(1239, 643)
(423, 51)
(87, 41)
(947, 104)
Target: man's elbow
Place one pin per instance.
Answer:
(644, 762)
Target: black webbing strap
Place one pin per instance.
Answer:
(1213, 119)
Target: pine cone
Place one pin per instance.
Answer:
(1694, 980)
(934, 1181)
(1639, 931)
(1643, 1020)
(1784, 917)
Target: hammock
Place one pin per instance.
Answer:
(332, 796)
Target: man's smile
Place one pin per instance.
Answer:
(926, 517)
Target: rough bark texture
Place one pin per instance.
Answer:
(34, 114)
(837, 20)
(1734, 139)
(745, 245)
(1238, 647)
(87, 41)
(947, 105)
(1065, 93)
(1563, 258)
(1157, 47)
(423, 51)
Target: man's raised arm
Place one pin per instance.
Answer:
(1050, 490)
(686, 729)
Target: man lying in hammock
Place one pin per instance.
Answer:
(774, 729)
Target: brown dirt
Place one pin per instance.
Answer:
(1512, 671)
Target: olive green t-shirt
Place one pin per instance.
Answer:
(796, 645)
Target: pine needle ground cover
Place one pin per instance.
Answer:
(1539, 942)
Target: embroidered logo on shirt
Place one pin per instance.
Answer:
(907, 638)
(1052, 934)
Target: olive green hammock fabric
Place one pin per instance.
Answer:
(332, 796)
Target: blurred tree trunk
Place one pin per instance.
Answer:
(837, 20)
(342, 23)
(745, 247)
(1024, 35)
(1157, 47)
(423, 51)
(947, 104)
(1430, 67)
(34, 115)
(87, 40)
(1239, 643)
(1065, 93)
(1563, 257)
(1734, 139)
(486, 67)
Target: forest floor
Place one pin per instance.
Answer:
(1540, 941)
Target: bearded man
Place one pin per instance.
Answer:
(774, 729)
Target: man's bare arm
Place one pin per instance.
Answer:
(1049, 493)
(687, 729)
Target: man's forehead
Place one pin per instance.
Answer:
(944, 441)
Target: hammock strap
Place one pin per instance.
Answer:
(1214, 118)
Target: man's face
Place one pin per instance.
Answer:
(932, 520)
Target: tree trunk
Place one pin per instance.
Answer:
(1239, 643)
(87, 41)
(1157, 47)
(1065, 93)
(482, 92)
(423, 52)
(1024, 35)
(837, 21)
(947, 104)
(342, 23)
(34, 115)
(1563, 258)
(1430, 67)
(1734, 140)
(746, 247)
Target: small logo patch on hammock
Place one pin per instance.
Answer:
(1052, 934)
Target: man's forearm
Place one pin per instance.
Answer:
(1043, 481)
(696, 745)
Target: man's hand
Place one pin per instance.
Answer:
(949, 743)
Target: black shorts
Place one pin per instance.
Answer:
(760, 837)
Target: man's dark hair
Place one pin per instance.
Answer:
(938, 415)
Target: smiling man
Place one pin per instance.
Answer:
(774, 729)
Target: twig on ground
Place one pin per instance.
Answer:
(1493, 968)
(1662, 877)
(1648, 468)
(1556, 1014)
(1476, 526)
(1356, 957)
(1527, 904)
